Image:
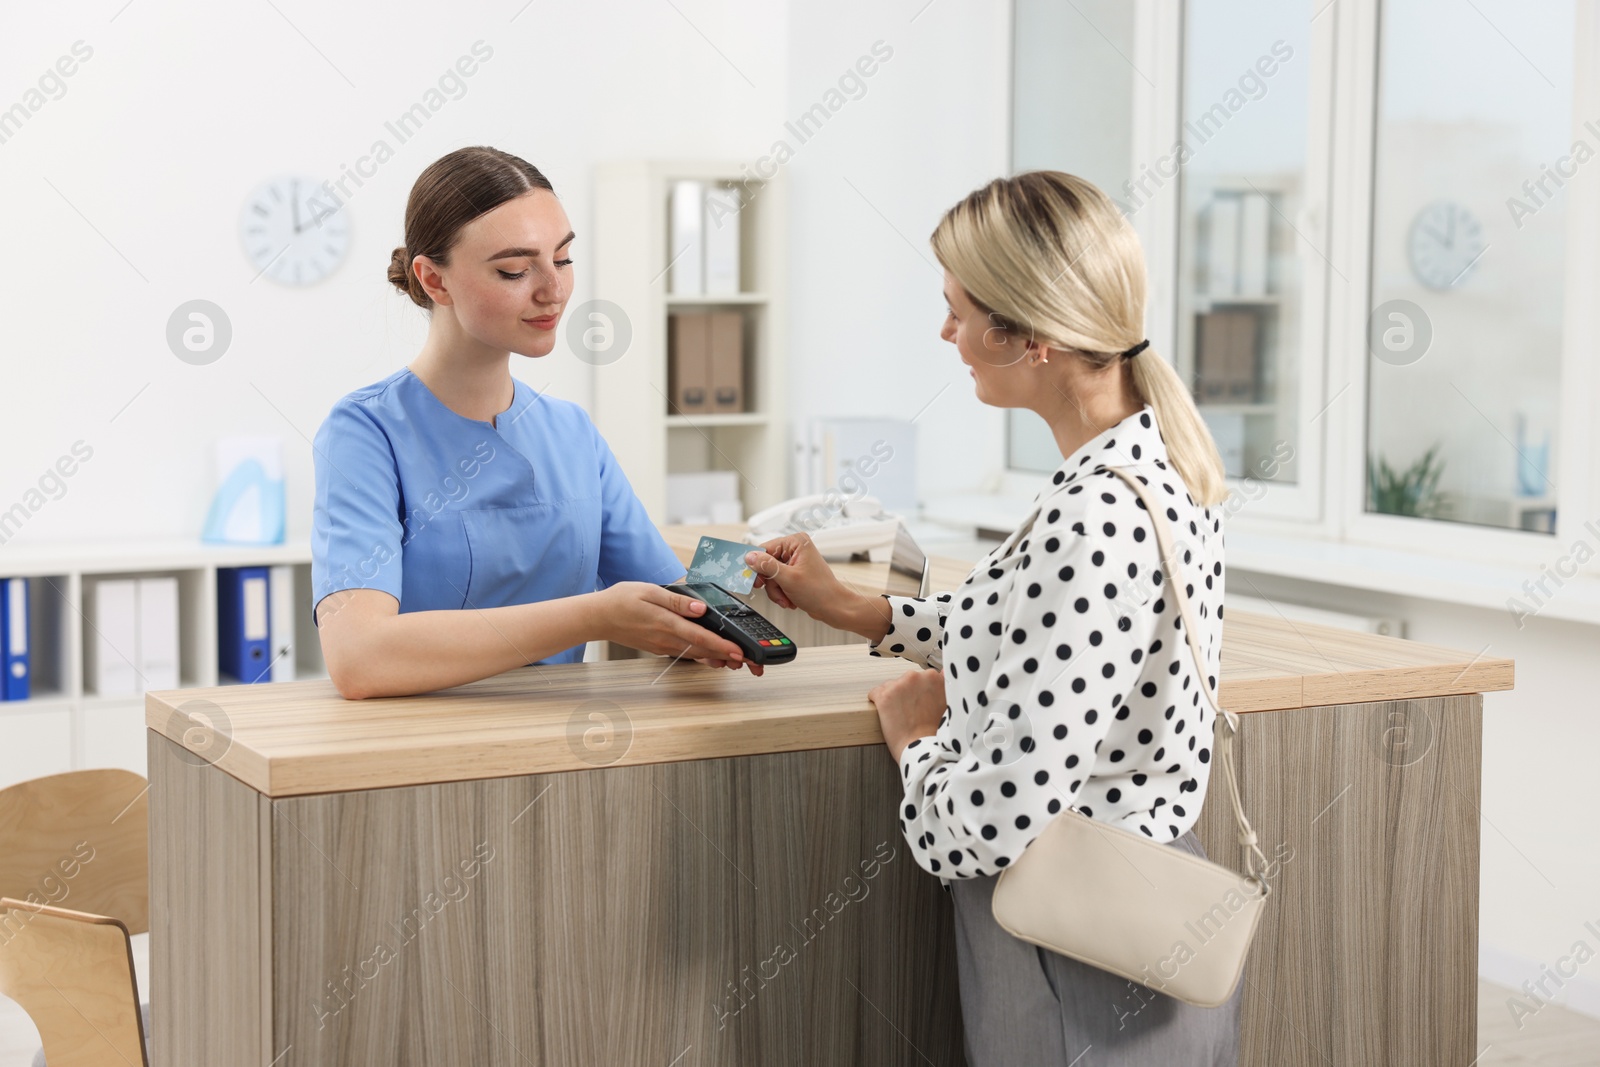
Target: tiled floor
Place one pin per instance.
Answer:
(1555, 1037)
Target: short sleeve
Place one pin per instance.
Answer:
(916, 629)
(356, 532)
(631, 547)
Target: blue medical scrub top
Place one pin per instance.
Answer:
(443, 511)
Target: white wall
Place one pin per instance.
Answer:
(1539, 868)
(184, 107)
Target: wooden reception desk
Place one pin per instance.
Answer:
(626, 863)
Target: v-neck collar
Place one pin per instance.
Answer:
(503, 419)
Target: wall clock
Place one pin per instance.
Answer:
(293, 230)
(1444, 244)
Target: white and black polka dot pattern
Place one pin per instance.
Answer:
(1067, 675)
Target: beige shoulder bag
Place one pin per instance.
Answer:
(1128, 904)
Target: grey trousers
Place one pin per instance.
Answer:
(1024, 1006)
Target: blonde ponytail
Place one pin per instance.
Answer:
(1048, 255)
(1190, 445)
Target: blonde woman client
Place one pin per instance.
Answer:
(465, 524)
(1043, 689)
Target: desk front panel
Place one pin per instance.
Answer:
(750, 910)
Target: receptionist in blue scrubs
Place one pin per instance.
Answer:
(465, 523)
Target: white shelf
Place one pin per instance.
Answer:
(114, 557)
(714, 300)
(47, 702)
(1278, 319)
(1204, 301)
(65, 726)
(1238, 409)
(731, 418)
(630, 395)
(95, 701)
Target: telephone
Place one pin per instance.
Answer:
(848, 529)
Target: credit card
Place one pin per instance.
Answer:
(722, 563)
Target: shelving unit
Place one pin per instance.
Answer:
(632, 406)
(1254, 422)
(63, 726)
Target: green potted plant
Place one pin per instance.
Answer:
(1408, 492)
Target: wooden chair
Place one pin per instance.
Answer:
(72, 972)
(75, 869)
(79, 840)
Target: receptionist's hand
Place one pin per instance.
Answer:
(795, 575)
(645, 616)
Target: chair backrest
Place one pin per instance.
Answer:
(73, 974)
(80, 839)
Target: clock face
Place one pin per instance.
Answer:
(1444, 244)
(293, 230)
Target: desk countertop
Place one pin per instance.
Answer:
(297, 738)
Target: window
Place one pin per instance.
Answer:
(1355, 215)
(1472, 148)
(1243, 245)
(1072, 91)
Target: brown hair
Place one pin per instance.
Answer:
(1049, 256)
(452, 191)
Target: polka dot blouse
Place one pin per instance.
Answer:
(1068, 680)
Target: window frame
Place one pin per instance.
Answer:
(1328, 505)
(1360, 26)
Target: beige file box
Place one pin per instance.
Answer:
(689, 364)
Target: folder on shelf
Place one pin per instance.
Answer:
(725, 337)
(701, 497)
(1253, 246)
(111, 645)
(720, 229)
(1242, 357)
(689, 364)
(686, 250)
(1222, 260)
(1225, 356)
(156, 646)
(280, 621)
(1228, 431)
(243, 630)
(14, 638)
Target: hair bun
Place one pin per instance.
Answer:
(401, 278)
(400, 270)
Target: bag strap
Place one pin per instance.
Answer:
(1225, 721)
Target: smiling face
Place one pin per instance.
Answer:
(509, 275)
(1000, 361)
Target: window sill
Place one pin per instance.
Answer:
(1470, 583)
(1428, 576)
